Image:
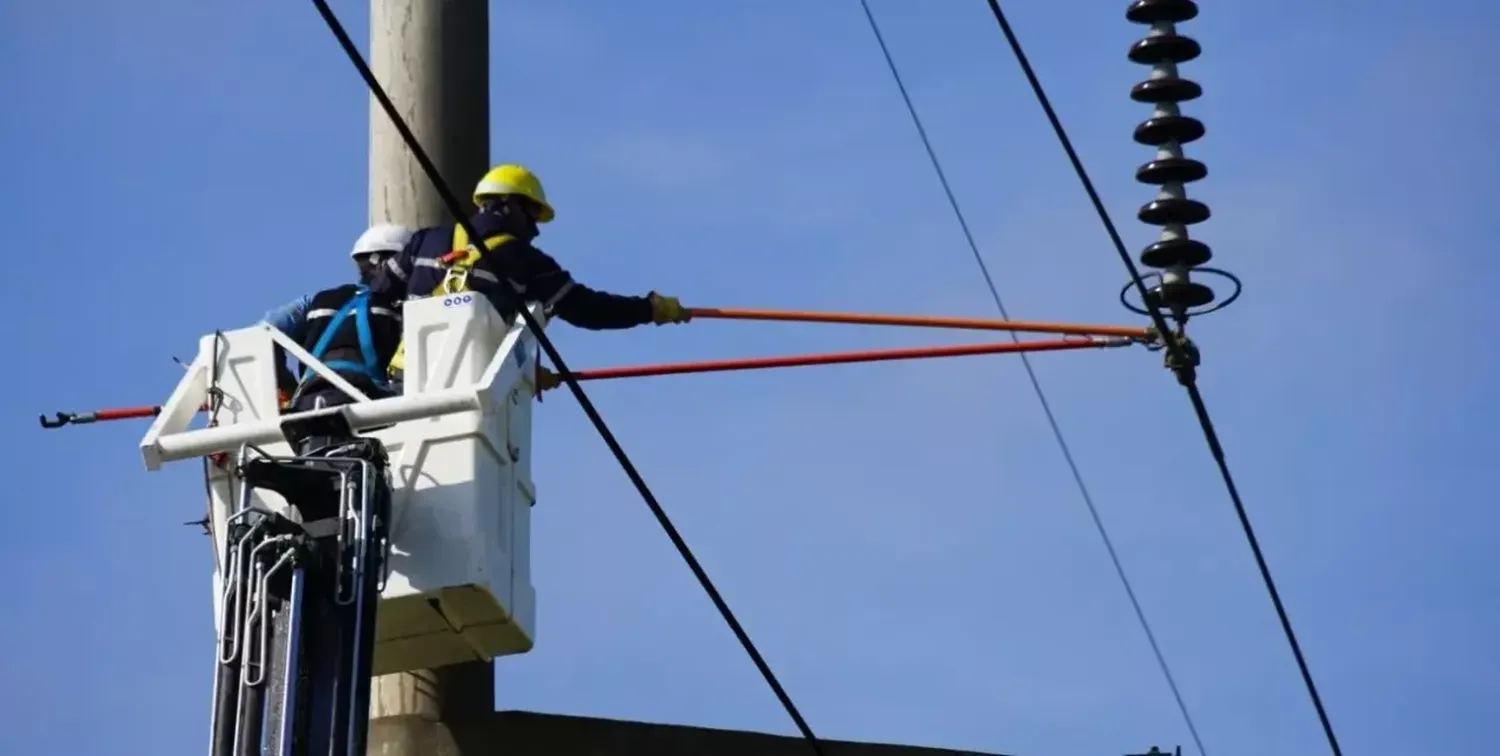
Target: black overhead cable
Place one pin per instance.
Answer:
(1036, 384)
(1187, 379)
(456, 209)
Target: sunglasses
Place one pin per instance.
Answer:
(495, 205)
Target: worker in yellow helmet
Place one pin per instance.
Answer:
(511, 204)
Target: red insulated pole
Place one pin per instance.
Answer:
(920, 321)
(126, 413)
(115, 413)
(836, 358)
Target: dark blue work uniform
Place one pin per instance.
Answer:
(353, 330)
(417, 273)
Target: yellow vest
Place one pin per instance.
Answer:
(455, 280)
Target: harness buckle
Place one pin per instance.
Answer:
(455, 280)
(456, 277)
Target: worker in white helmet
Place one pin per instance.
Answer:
(510, 205)
(377, 244)
(354, 329)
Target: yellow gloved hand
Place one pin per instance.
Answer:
(668, 310)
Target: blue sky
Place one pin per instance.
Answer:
(902, 540)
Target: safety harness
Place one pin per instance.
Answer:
(359, 307)
(457, 266)
(461, 261)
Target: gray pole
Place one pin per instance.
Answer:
(432, 57)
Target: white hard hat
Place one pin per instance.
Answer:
(384, 237)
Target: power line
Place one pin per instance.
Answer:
(1036, 385)
(456, 209)
(1200, 409)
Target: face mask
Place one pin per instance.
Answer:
(518, 220)
(368, 265)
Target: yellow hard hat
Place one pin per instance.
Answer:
(514, 179)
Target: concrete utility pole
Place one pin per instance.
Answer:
(432, 57)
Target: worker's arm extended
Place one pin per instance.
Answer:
(576, 304)
(290, 319)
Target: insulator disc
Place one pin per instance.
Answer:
(1162, 129)
(1166, 253)
(1168, 210)
(1173, 90)
(1171, 48)
(1157, 11)
(1168, 170)
(1182, 295)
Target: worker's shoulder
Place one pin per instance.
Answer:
(520, 246)
(343, 289)
(540, 262)
(417, 245)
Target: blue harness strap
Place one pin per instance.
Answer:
(359, 307)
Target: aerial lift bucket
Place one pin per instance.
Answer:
(380, 536)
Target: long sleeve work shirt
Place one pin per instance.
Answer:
(540, 277)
